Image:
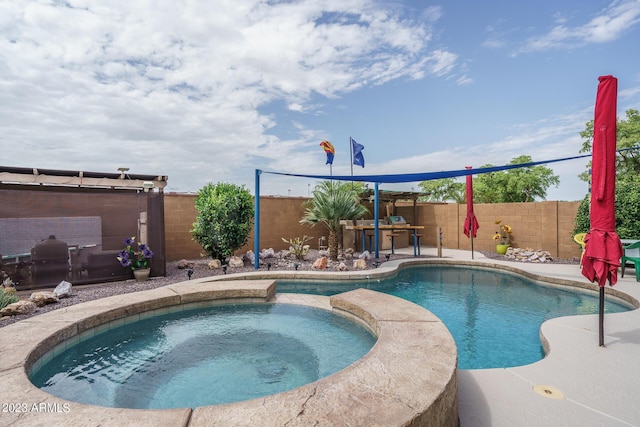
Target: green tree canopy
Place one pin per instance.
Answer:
(224, 220)
(627, 210)
(442, 190)
(333, 201)
(515, 185)
(628, 135)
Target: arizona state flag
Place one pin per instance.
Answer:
(328, 148)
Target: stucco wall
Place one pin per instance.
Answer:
(539, 225)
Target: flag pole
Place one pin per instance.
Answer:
(351, 157)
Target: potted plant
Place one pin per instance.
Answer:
(137, 259)
(502, 237)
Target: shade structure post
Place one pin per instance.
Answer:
(376, 217)
(256, 222)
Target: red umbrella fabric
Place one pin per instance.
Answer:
(603, 247)
(470, 223)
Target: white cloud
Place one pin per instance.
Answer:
(609, 25)
(180, 88)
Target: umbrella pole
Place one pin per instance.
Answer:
(472, 240)
(601, 316)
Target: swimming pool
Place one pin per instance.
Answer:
(494, 317)
(198, 357)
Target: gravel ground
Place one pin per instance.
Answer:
(85, 293)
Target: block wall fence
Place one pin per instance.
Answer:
(537, 225)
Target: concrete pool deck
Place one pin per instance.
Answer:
(577, 384)
(586, 385)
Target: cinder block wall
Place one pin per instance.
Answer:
(538, 225)
(179, 216)
(279, 218)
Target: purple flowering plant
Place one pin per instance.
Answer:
(135, 258)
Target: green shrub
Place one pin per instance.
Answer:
(224, 220)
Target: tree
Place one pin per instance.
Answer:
(522, 184)
(627, 210)
(224, 220)
(333, 201)
(442, 190)
(628, 136)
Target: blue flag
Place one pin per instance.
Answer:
(358, 158)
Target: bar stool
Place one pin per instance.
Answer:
(370, 236)
(393, 236)
(416, 242)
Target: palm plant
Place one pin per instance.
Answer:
(333, 201)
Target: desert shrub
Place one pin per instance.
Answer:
(7, 296)
(298, 247)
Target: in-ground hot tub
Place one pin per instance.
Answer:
(193, 357)
(408, 377)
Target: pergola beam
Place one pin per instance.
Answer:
(81, 179)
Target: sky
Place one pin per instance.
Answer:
(208, 91)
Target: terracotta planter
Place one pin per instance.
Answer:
(502, 249)
(141, 274)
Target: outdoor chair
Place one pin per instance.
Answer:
(628, 259)
(579, 239)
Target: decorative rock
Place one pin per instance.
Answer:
(43, 298)
(251, 257)
(267, 253)
(284, 254)
(342, 267)
(6, 280)
(214, 264)
(365, 255)
(323, 253)
(20, 307)
(349, 251)
(320, 263)
(183, 263)
(63, 290)
(529, 255)
(360, 264)
(236, 262)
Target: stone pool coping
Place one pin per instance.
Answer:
(408, 378)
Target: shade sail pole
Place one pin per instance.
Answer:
(376, 216)
(256, 222)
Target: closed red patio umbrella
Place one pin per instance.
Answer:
(470, 223)
(603, 247)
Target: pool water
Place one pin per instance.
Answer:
(200, 357)
(494, 317)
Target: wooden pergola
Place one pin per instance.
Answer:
(124, 180)
(392, 197)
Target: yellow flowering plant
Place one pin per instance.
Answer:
(503, 235)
